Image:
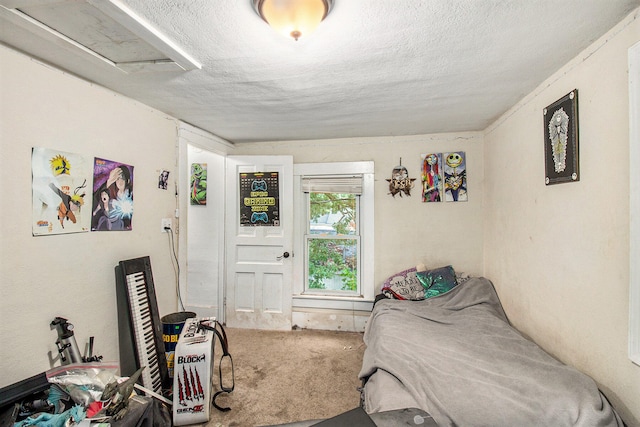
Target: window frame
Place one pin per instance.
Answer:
(634, 204)
(366, 229)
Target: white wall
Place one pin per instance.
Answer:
(201, 228)
(205, 240)
(407, 231)
(559, 255)
(73, 275)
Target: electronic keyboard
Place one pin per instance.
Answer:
(139, 327)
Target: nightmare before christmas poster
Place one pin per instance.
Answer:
(60, 187)
(432, 187)
(112, 196)
(455, 177)
(259, 199)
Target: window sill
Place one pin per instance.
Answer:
(352, 302)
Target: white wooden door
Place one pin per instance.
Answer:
(259, 247)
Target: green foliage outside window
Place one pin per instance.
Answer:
(330, 203)
(329, 258)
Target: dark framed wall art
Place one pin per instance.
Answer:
(561, 140)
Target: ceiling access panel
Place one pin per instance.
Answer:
(104, 30)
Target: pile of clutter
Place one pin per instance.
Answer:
(80, 394)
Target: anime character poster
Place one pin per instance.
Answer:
(432, 183)
(112, 196)
(259, 199)
(60, 187)
(163, 180)
(455, 177)
(198, 184)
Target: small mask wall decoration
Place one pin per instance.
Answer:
(400, 181)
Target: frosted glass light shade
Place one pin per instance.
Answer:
(293, 18)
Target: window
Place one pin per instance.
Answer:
(332, 240)
(334, 217)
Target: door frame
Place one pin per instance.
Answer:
(188, 135)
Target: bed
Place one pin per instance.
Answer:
(455, 356)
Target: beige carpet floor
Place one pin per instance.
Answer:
(287, 376)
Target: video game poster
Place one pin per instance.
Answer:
(259, 199)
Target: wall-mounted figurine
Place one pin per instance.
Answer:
(400, 181)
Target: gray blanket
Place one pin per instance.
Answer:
(456, 357)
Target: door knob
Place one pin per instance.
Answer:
(284, 255)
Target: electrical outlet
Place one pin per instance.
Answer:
(166, 222)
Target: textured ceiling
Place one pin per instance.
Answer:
(373, 68)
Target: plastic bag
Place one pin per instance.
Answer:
(84, 382)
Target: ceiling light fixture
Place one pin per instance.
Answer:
(293, 18)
